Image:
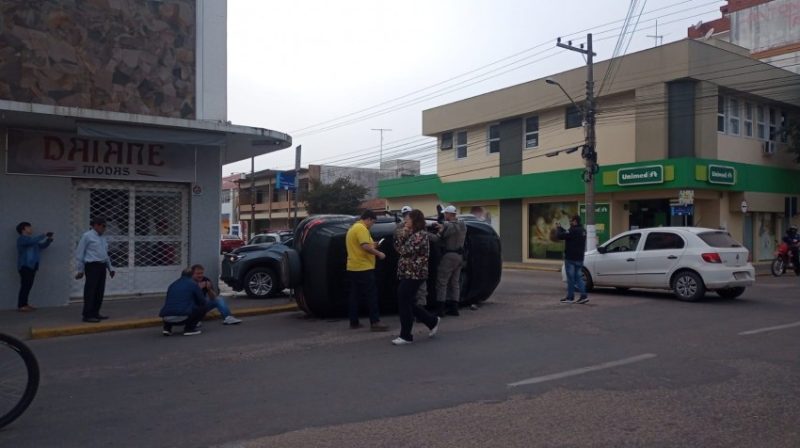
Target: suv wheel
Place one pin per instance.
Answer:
(688, 286)
(261, 283)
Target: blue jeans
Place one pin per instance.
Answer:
(218, 304)
(574, 278)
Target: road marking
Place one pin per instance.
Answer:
(582, 370)
(764, 330)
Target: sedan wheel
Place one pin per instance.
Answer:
(260, 283)
(688, 286)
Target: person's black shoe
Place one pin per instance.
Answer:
(355, 326)
(583, 300)
(567, 300)
(91, 320)
(101, 317)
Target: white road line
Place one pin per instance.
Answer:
(582, 370)
(764, 330)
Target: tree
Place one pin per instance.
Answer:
(342, 196)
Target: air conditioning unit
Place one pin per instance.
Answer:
(768, 149)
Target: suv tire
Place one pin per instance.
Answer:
(261, 283)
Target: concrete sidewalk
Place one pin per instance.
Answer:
(124, 313)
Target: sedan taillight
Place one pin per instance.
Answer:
(711, 257)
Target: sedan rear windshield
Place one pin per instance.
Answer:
(719, 239)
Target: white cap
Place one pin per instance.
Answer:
(450, 209)
(405, 209)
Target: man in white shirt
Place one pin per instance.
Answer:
(91, 259)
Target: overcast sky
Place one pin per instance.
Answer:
(326, 71)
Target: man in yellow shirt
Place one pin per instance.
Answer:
(361, 253)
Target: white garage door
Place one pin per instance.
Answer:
(147, 231)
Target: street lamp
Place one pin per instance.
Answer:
(590, 161)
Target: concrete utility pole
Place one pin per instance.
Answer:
(252, 226)
(588, 153)
(380, 157)
(296, 182)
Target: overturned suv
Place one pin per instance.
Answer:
(255, 268)
(314, 266)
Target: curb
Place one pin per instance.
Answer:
(525, 267)
(130, 324)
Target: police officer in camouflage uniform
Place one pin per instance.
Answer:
(452, 234)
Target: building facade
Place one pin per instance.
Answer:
(770, 29)
(274, 209)
(116, 109)
(687, 133)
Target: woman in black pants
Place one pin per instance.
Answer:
(412, 270)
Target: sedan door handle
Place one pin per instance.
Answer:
(631, 259)
(672, 257)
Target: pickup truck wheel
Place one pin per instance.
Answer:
(261, 283)
(731, 293)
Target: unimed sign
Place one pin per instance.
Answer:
(720, 174)
(640, 175)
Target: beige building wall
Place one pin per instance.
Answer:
(749, 150)
(478, 164)
(705, 122)
(650, 118)
(427, 204)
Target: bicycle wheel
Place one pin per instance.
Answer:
(19, 378)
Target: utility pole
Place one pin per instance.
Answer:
(296, 182)
(380, 158)
(658, 38)
(252, 197)
(588, 153)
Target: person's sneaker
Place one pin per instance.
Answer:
(191, 332)
(230, 320)
(400, 341)
(567, 300)
(91, 320)
(101, 317)
(166, 332)
(435, 328)
(582, 300)
(356, 326)
(377, 326)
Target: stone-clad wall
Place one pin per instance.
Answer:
(133, 56)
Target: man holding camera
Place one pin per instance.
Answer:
(574, 248)
(28, 248)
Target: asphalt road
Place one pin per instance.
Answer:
(627, 369)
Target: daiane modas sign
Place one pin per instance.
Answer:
(640, 175)
(70, 155)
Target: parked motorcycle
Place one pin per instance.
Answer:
(783, 261)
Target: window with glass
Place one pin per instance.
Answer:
(761, 129)
(773, 124)
(226, 196)
(720, 113)
(260, 197)
(733, 116)
(663, 241)
(494, 139)
(276, 194)
(748, 119)
(461, 145)
(447, 141)
(627, 243)
(574, 118)
(532, 132)
(784, 135)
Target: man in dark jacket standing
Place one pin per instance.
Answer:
(28, 248)
(574, 248)
(185, 304)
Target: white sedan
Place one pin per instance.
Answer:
(687, 260)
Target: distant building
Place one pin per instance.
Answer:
(770, 29)
(273, 207)
(229, 205)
